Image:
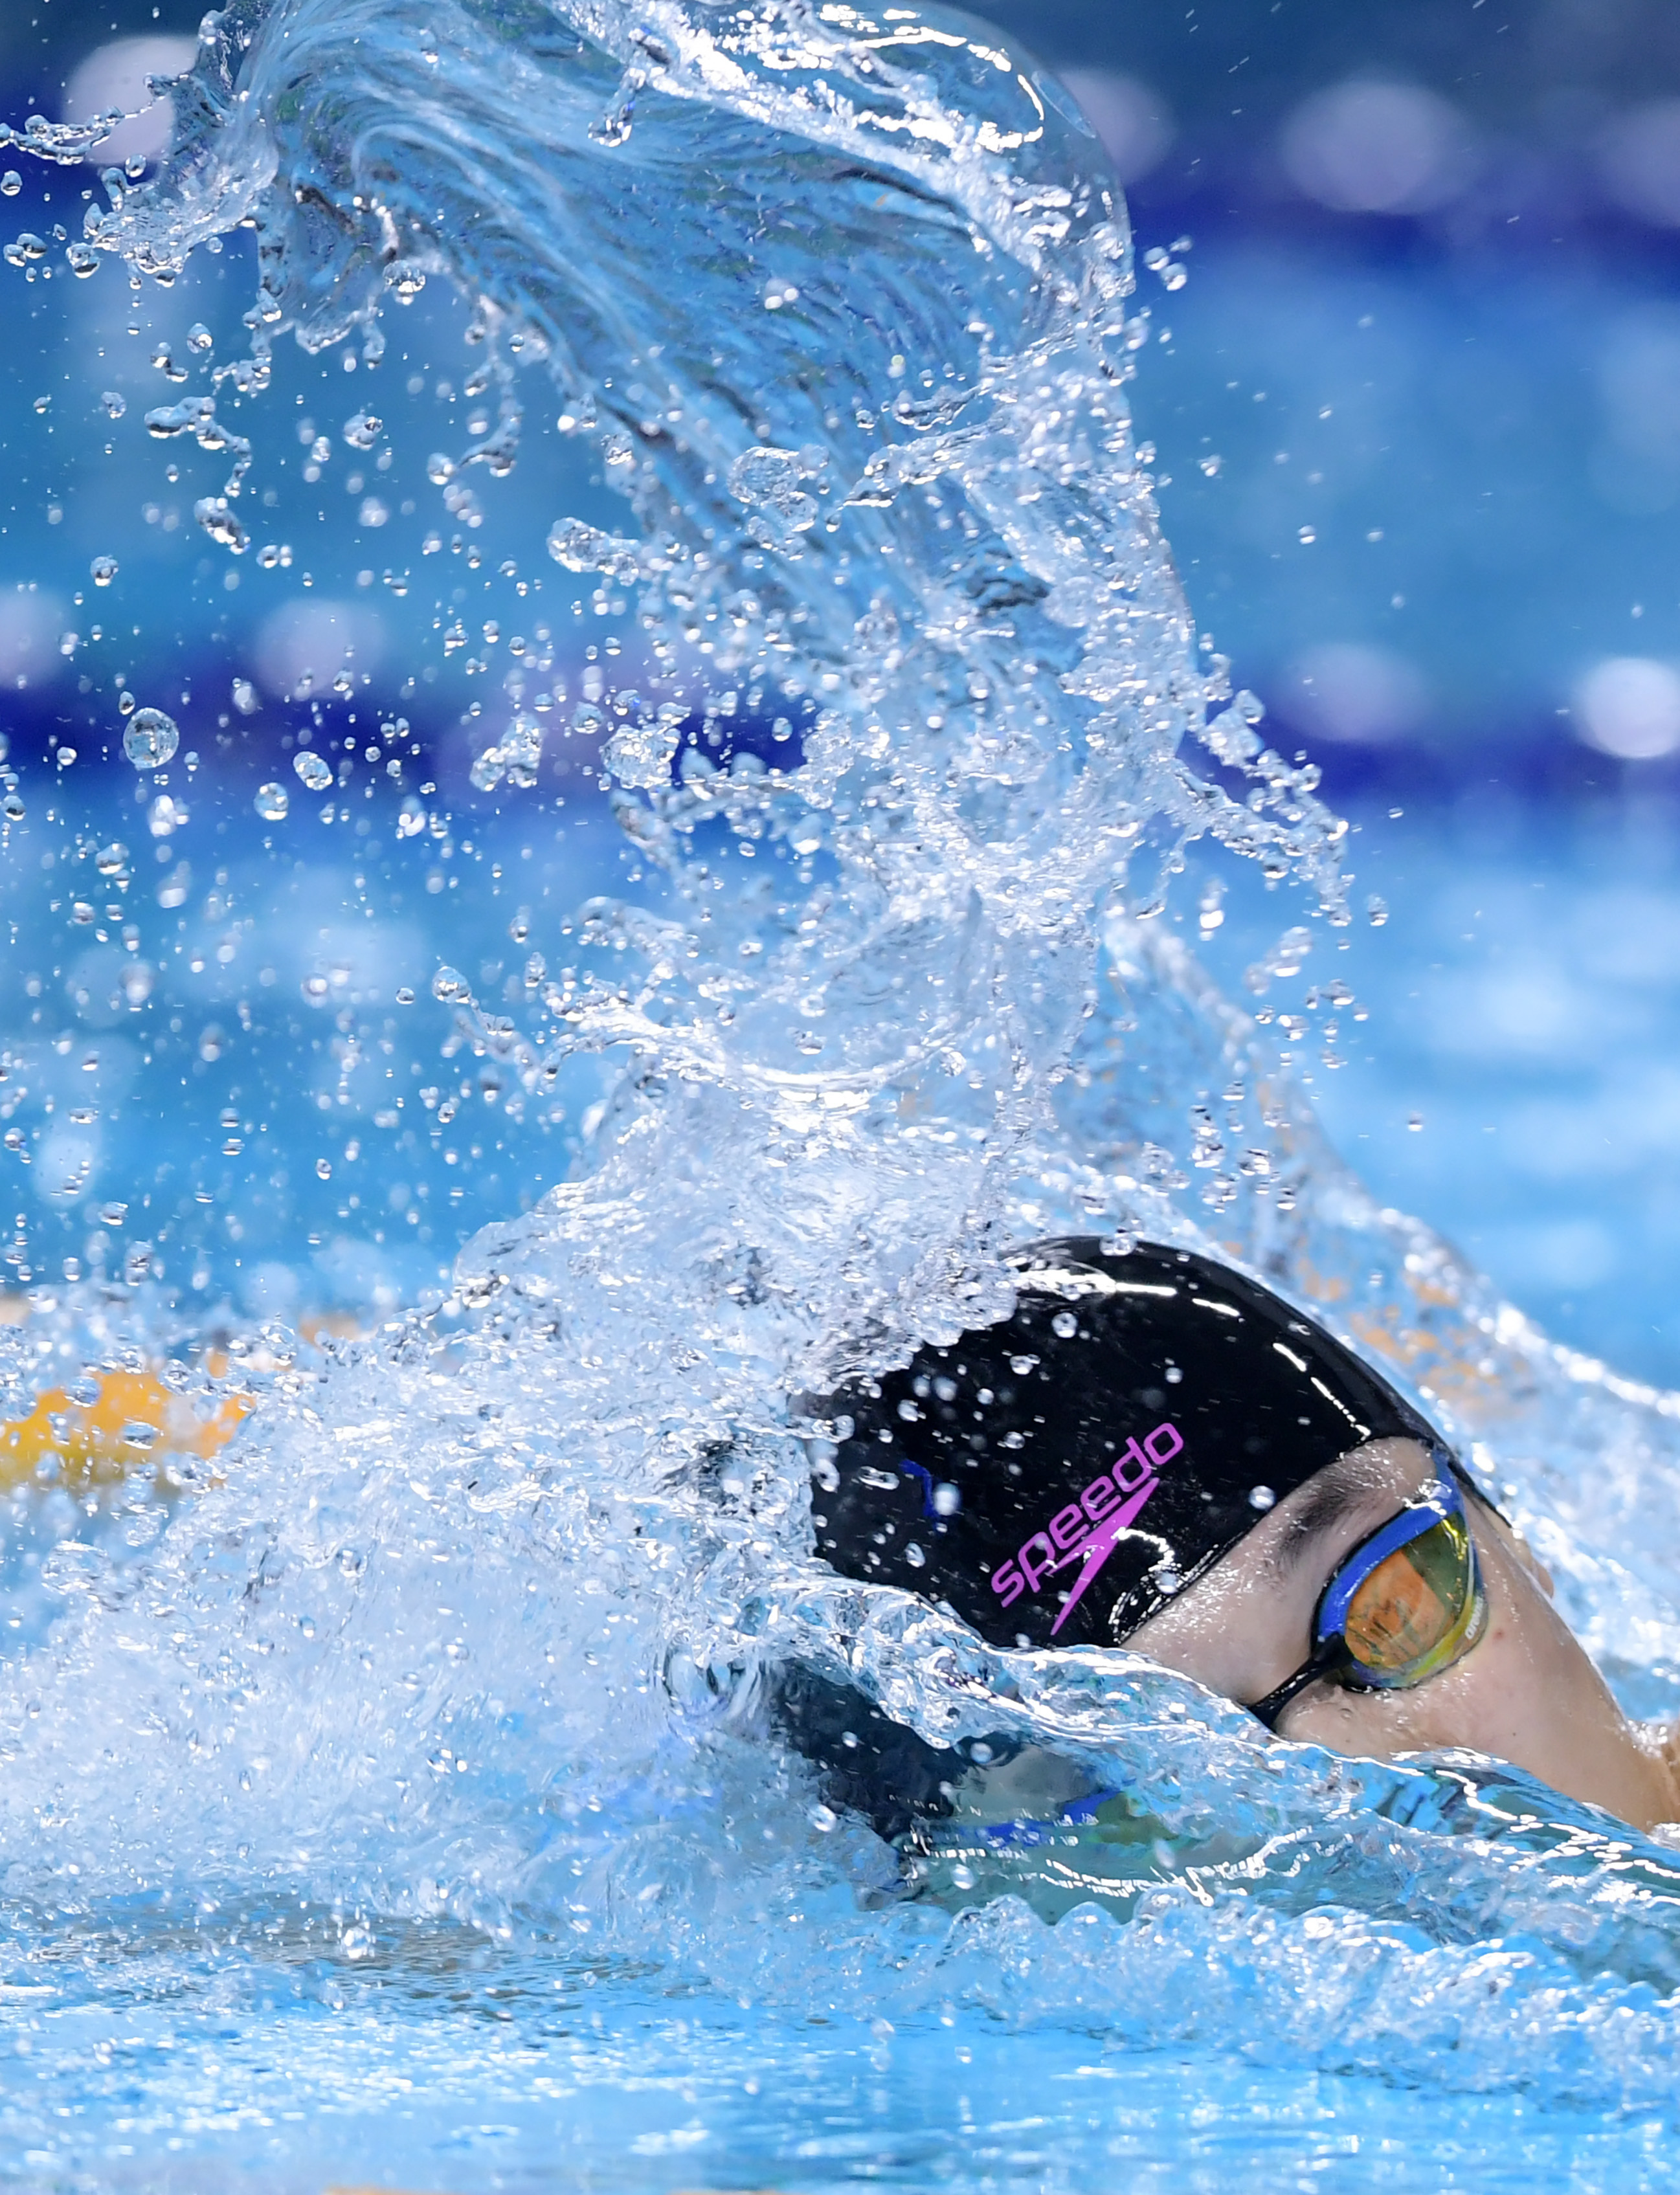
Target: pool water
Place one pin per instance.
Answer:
(631, 1021)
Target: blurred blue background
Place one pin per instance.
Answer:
(1418, 413)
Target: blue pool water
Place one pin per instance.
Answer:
(393, 1804)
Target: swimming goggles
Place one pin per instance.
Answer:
(1405, 1604)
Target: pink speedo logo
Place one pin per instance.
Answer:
(1088, 1530)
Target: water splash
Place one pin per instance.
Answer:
(471, 1628)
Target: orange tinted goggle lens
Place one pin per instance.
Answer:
(1414, 1610)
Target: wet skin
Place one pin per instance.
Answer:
(1524, 1693)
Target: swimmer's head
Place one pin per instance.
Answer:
(1059, 1478)
(1155, 1452)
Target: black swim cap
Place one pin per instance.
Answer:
(1057, 1479)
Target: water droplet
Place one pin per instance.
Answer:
(1415, 1123)
(272, 803)
(1261, 1497)
(104, 569)
(1213, 464)
(12, 808)
(10, 183)
(1377, 910)
(913, 1556)
(316, 775)
(450, 985)
(404, 997)
(150, 739)
(324, 1168)
(1065, 1324)
(125, 705)
(114, 403)
(111, 861)
(963, 1876)
(1307, 536)
(222, 523)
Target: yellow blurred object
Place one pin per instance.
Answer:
(134, 1417)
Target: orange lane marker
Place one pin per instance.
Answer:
(136, 1416)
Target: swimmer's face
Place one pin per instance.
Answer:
(1524, 1693)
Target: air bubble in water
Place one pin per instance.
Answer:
(111, 861)
(314, 773)
(272, 803)
(12, 808)
(150, 738)
(114, 403)
(199, 338)
(104, 570)
(324, 1168)
(450, 985)
(10, 183)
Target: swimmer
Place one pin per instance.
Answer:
(1156, 1454)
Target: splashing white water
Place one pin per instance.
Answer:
(472, 1627)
